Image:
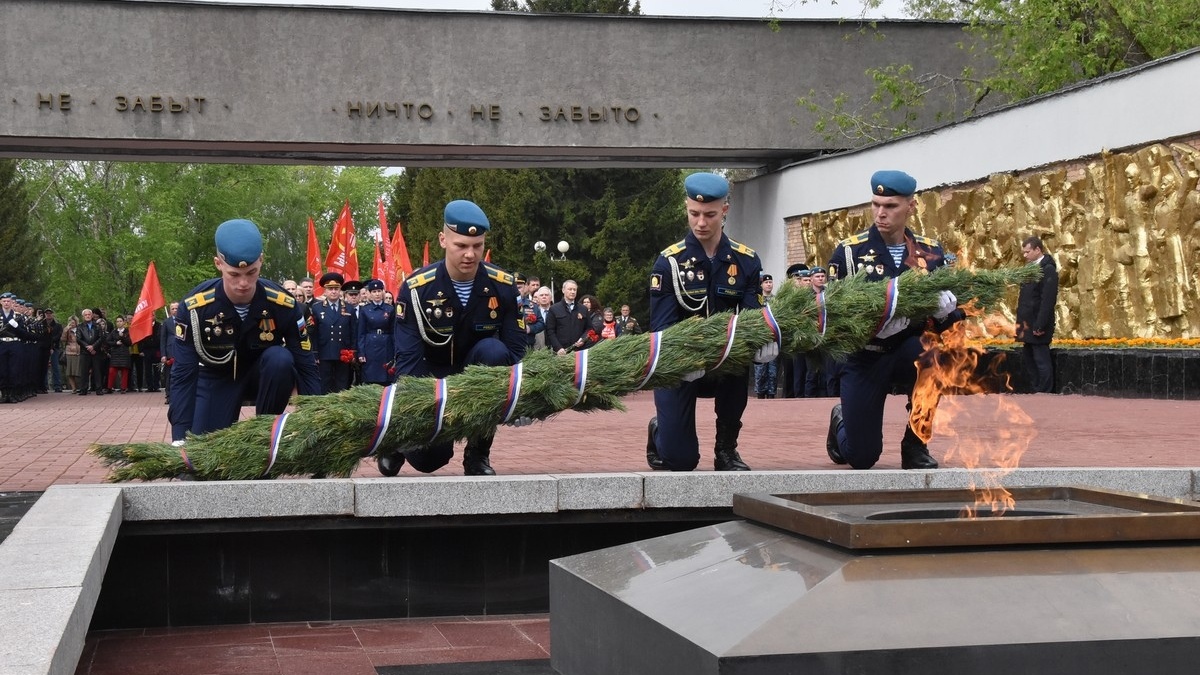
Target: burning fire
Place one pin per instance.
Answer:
(988, 431)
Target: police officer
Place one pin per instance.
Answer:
(376, 321)
(333, 330)
(454, 313)
(881, 252)
(705, 273)
(236, 337)
(13, 330)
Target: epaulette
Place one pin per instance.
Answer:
(739, 247)
(674, 249)
(855, 239)
(419, 280)
(926, 241)
(280, 297)
(496, 274)
(200, 299)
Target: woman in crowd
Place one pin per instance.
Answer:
(376, 350)
(70, 347)
(120, 358)
(611, 328)
(595, 320)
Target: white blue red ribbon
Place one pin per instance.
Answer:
(383, 420)
(581, 368)
(515, 379)
(652, 361)
(276, 438)
(186, 461)
(730, 332)
(440, 394)
(890, 301)
(822, 313)
(769, 317)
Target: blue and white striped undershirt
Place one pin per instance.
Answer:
(897, 251)
(463, 290)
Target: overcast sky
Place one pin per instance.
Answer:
(813, 9)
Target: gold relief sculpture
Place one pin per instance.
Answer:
(1124, 229)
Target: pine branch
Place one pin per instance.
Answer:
(328, 435)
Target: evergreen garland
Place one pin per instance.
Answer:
(328, 435)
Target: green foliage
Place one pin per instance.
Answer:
(1027, 48)
(20, 271)
(101, 223)
(569, 6)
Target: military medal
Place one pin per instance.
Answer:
(437, 313)
(449, 312)
(691, 276)
(493, 303)
(732, 273)
(266, 327)
(700, 275)
(218, 331)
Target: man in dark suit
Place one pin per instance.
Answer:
(166, 349)
(1035, 316)
(567, 321)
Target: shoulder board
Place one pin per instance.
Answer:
(200, 299)
(926, 240)
(674, 249)
(419, 280)
(853, 239)
(497, 274)
(280, 297)
(739, 247)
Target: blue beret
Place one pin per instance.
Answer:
(816, 269)
(374, 285)
(893, 184)
(332, 280)
(467, 218)
(706, 187)
(238, 242)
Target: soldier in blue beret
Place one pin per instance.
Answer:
(703, 274)
(333, 324)
(376, 326)
(15, 334)
(238, 337)
(454, 313)
(882, 252)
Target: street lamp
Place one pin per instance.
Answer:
(563, 246)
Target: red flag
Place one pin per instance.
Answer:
(312, 263)
(385, 261)
(425, 255)
(378, 267)
(487, 255)
(402, 263)
(343, 249)
(149, 301)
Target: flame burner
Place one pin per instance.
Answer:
(1071, 580)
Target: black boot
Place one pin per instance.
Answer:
(914, 454)
(652, 457)
(475, 457)
(725, 452)
(831, 441)
(390, 463)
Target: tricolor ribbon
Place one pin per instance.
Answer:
(276, 438)
(822, 313)
(440, 392)
(581, 367)
(769, 317)
(730, 332)
(652, 361)
(186, 461)
(383, 420)
(891, 301)
(515, 379)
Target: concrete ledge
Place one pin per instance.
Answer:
(1177, 483)
(53, 565)
(712, 489)
(592, 491)
(238, 499)
(447, 496)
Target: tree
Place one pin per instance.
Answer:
(19, 272)
(1022, 49)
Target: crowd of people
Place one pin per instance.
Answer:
(238, 338)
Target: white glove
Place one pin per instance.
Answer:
(520, 422)
(893, 326)
(767, 353)
(693, 376)
(946, 304)
(12, 322)
(178, 444)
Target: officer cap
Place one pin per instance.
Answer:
(5, 295)
(893, 184)
(795, 269)
(706, 187)
(816, 269)
(520, 278)
(465, 217)
(766, 277)
(239, 243)
(352, 286)
(49, 310)
(331, 280)
(374, 285)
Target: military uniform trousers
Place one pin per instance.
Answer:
(487, 352)
(10, 364)
(219, 398)
(676, 440)
(867, 378)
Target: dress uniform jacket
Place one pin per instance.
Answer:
(376, 324)
(333, 331)
(686, 283)
(435, 333)
(217, 357)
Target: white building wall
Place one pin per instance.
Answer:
(1154, 102)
